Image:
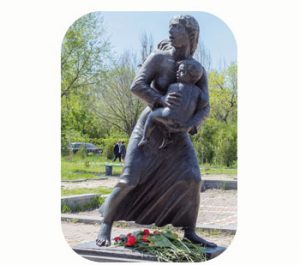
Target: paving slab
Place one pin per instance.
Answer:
(218, 210)
(111, 181)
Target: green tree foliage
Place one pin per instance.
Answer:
(217, 141)
(223, 94)
(97, 105)
(116, 105)
(84, 53)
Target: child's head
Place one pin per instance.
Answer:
(189, 71)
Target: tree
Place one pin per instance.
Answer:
(223, 94)
(202, 55)
(217, 141)
(146, 46)
(116, 105)
(84, 53)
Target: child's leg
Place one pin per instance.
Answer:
(149, 125)
(167, 117)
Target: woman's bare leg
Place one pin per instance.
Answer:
(109, 210)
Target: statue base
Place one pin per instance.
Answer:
(92, 252)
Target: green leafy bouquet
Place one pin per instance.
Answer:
(165, 245)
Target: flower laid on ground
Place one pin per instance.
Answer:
(117, 238)
(131, 240)
(165, 245)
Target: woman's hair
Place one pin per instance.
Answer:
(192, 27)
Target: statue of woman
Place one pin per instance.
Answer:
(161, 186)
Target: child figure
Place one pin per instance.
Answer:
(188, 74)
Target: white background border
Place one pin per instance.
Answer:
(268, 56)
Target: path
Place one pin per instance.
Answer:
(218, 209)
(112, 181)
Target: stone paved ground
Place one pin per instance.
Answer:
(77, 233)
(112, 181)
(218, 209)
(109, 182)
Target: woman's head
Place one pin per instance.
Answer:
(183, 29)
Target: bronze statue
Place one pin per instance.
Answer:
(162, 185)
(189, 72)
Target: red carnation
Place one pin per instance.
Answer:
(131, 240)
(145, 238)
(117, 238)
(146, 232)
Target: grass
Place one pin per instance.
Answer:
(91, 205)
(207, 169)
(78, 191)
(88, 167)
(65, 208)
(76, 167)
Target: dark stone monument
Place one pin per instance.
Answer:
(160, 182)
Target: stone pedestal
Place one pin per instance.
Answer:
(92, 252)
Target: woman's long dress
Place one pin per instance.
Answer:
(165, 183)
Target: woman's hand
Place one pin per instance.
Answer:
(171, 99)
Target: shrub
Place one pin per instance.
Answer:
(108, 146)
(216, 143)
(65, 208)
(94, 203)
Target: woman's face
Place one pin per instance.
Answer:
(178, 34)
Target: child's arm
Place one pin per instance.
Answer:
(202, 109)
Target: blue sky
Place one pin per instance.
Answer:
(125, 29)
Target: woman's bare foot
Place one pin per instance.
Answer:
(103, 238)
(191, 235)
